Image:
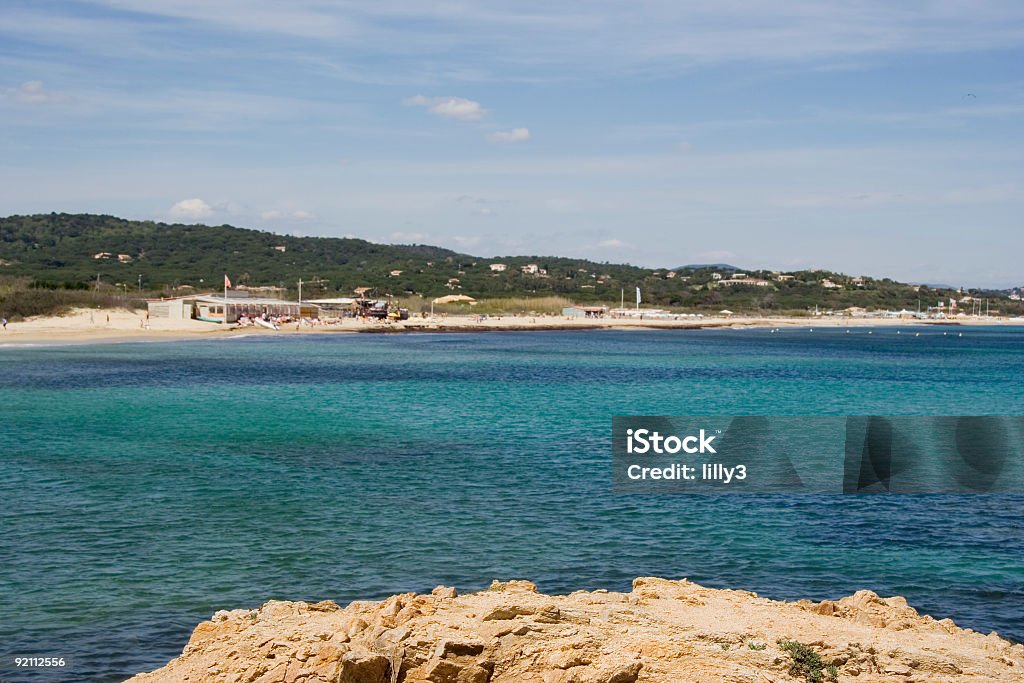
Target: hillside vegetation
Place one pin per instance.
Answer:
(110, 255)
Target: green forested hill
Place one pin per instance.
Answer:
(74, 251)
(62, 249)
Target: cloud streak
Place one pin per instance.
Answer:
(521, 40)
(514, 135)
(458, 108)
(613, 244)
(287, 215)
(193, 209)
(33, 93)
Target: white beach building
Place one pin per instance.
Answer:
(215, 308)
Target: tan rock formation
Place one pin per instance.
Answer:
(663, 631)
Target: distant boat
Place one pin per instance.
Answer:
(264, 323)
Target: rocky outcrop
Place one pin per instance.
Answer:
(661, 631)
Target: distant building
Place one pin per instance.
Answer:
(215, 308)
(530, 269)
(395, 273)
(281, 248)
(747, 281)
(671, 274)
(585, 311)
(498, 267)
(828, 284)
(716, 276)
(903, 314)
(336, 306)
(785, 278)
(124, 258)
(102, 255)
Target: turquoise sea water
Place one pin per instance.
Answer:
(145, 486)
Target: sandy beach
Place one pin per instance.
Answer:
(85, 325)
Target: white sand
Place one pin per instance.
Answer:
(87, 325)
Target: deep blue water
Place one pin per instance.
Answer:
(147, 485)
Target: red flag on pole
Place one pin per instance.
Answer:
(227, 282)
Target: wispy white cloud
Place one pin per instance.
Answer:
(409, 237)
(417, 101)
(193, 209)
(175, 108)
(467, 241)
(1000, 193)
(940, 116)
(300, 18)
(466, 198)
(526, 39)
(33, 93)
(448, 107)
(613, 244)
(860, 200)
(1003, 192)
(514, 135)
(286, 214)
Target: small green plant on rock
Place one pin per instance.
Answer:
(808, 663)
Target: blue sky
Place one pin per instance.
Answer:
(868, 137)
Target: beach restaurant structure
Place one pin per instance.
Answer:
(335, 306)
(214, 308)
(585, 311)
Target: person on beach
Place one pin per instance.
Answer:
(3, 321)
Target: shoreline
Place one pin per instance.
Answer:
(85, 326)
